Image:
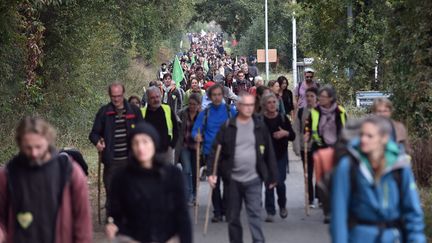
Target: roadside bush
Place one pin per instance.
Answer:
(422, 166)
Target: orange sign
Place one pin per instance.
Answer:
(272, 55)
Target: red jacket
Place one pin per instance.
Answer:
(74, 224)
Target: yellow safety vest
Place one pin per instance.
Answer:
(168, 120)
(315, 117)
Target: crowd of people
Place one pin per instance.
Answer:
(223, 118)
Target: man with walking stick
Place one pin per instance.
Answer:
(111, 127)
(246, 161)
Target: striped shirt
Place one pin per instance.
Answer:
(120, 136)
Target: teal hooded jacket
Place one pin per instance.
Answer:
(375, 200)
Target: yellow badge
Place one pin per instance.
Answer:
(133, 126)
(262, 149)
(25, 219)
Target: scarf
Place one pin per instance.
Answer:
(327, 124)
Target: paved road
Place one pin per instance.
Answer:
(297, 228)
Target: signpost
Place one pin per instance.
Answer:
(366, 98)
(272, 55)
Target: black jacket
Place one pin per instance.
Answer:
(103, 127)
(226, 137)
(150, 205)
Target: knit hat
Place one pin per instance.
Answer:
(208, 84)
(145, 128)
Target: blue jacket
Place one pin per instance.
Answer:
(217, 116)
(375, 201)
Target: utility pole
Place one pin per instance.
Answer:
(266, 41)
(350, 22)
(294, 48)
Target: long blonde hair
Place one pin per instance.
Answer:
(37, 125)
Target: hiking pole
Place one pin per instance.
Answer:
(99, 186)
(306, 175)
(197, 179)
(218, 150)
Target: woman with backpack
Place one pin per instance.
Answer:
(148, 201)
(324, 126)
(282, 132)
(373, 195)
(384, 107)
(186, 147)
(275, 88)
(286, 95)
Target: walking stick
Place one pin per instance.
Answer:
(197, 179)
(306, 175)
(99, 187)
(218, 150)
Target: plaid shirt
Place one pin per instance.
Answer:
(188, 140)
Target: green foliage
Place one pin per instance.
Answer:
(84, 46)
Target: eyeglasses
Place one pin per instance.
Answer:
(248, 105)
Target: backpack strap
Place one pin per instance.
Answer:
(353, 221)
(207, 112)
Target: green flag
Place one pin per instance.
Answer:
(193, 59)
(206, 66)
(178, 74)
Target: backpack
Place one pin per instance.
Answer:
(207, 112)
(325, 161)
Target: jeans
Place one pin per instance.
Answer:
(188, 162)
(250, 193)
(310, 165)
(280, 188)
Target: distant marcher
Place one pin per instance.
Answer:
(164, 120)
(253, 70)
(43, 195)
(194, 89)
(207, 125)
(247, 160)
(299, 143)
(300, 90)
(229, 96)
(171, 95)
(135, 100)
(374, 196)
(281, 132)
(258, 82)
(260, 92)
(275, 88)
(162, 71)
(243, 84)
(286, 95)
(111, 128)
(384, 107)
(148, 196)
(186, 145)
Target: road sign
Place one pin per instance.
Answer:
(366, 98)
(261, 55)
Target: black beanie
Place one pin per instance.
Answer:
(145, 128)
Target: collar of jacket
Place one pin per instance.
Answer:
(255, 118)
(394, 159)
(111, 108)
